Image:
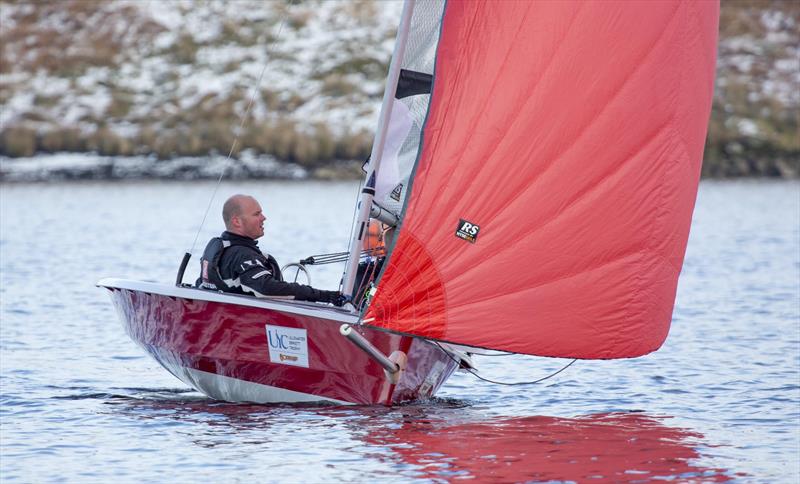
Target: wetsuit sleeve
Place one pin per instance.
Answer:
(258, 279)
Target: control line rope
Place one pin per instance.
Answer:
(522, 383)
(337, 256)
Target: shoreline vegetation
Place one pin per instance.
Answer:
(111, 90)
(57, 167)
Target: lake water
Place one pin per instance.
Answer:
(80, 402)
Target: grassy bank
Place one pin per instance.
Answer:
(118, 79)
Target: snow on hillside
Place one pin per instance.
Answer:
(166, 79)
(128, 65)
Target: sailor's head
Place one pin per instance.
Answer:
(242, 216)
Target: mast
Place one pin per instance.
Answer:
(368, 192)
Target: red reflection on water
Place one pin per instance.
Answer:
(446, 443)
(615, 447)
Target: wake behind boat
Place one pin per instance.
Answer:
(537, 165)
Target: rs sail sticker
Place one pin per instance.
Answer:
(467, 230)
(287, 346)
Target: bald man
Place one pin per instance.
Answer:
(233, 262)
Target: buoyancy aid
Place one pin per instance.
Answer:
(374, 239)
(234, 264)
(213, 278)
(210, 278)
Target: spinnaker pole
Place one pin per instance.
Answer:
(368, 192)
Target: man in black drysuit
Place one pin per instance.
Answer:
(233, 262)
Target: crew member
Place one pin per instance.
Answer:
(233, 262)
(373, 242)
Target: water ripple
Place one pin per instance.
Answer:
(79, 402)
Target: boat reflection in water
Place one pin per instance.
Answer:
(611, 447)
(452, 442)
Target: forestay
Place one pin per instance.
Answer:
(551, 201)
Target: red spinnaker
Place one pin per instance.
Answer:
(571, 134)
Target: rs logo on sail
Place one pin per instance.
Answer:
(467, 231)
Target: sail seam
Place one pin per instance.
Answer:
(615, 96)
(514, 115)
(675, 151)
(590, 122)
(575, 202)
(566, 276)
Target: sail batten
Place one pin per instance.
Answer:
(557, 174)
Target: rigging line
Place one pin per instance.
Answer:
(353, 225)
(367, 277)
(521, 383)
(330, 254)
(495, 354)
(319, 259)
(367, 268)
(270, 47)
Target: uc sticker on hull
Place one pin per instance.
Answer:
(287, 346)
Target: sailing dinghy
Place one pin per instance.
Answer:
(539, 163)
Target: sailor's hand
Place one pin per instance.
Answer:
(334, 297)
(340, 300)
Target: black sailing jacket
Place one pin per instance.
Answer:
(233, 263)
